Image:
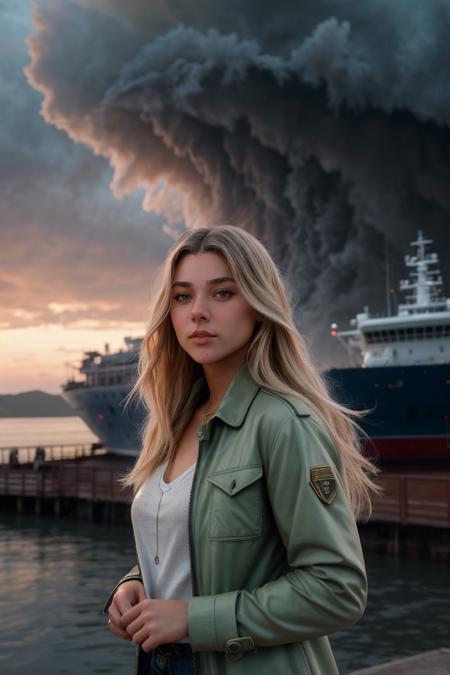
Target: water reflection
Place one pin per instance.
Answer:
(56, 575)
(408, 612)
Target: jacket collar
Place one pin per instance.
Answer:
(238, 398)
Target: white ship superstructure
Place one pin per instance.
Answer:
(420, 331)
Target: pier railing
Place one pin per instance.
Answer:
(28, 454)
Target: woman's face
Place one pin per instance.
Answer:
(206, 299)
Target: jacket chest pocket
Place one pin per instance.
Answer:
(236, 509)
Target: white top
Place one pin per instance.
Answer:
(171, 578)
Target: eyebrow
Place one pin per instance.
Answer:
(210, 282)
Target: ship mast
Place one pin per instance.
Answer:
(423, 281)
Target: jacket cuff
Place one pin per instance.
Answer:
(133, 575)
(212, 621)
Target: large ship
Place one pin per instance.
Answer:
(101, 397)
(401, 374)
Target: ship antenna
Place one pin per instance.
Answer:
(388, 276)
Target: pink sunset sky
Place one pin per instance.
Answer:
(76, 263)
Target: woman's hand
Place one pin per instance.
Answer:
(129, 594)
(151, 623)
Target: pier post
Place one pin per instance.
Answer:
(37, 506)
(57, 507)
(19, 505)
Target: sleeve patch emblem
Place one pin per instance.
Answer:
(323, 482)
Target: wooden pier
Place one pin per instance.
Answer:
(69, 480)
(412, 496)
(436, 662)
(411, 516)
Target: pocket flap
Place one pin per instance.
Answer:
(234, 480)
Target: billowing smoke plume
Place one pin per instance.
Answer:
(322, 127)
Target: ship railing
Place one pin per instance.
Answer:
(37, 455)
(74, 384)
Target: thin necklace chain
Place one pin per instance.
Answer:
(157, 517)
(207, 413)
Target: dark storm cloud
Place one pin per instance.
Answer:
(65, 241)
(322, 127)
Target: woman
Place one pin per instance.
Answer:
(248, 481)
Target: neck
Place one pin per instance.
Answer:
(218, 377)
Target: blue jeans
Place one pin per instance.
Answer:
(171, 659)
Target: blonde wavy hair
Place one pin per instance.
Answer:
(277, 359)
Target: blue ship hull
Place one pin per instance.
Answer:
(409, 408)
(117, 424)
(408, 419)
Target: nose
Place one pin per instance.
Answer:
(199, 310)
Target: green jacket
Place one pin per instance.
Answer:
(276, 558)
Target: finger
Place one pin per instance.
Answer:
(141, 635)
(122, 603)
(131, 614)
(135, 625)
(117, 630)
(114, 614)
(142, 595)
(149, 644)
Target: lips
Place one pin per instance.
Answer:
(201, 333)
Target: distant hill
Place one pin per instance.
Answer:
(34, 404)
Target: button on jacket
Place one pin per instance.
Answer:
(276, 562)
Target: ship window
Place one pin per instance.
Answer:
(412, 412)
(409, 331)
(447, 331)
(392, 335)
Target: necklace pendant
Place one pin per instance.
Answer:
(156, 560)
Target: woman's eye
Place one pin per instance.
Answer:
(181, 297)
(224, 294)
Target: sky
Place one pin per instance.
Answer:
(320, 126)
(76, 262)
